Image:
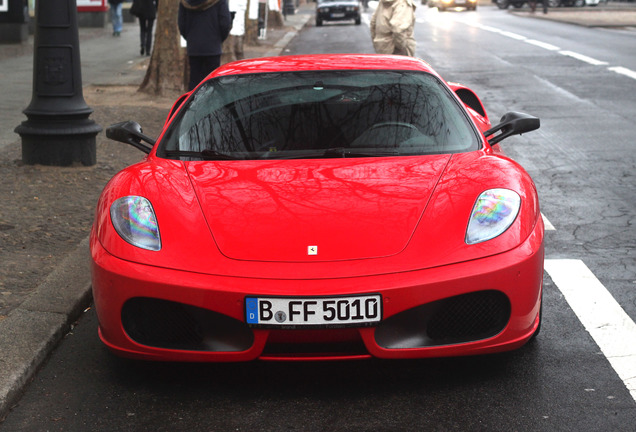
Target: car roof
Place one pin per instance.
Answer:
(324, 62)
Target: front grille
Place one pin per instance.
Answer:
(166, 324)
(460, 319)
(471, 316)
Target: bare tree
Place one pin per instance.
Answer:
(167, 70)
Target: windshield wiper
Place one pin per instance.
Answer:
(345, 152)
(206, 154)
(335, 152)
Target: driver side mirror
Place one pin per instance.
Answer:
(512, 123)
(130, 132)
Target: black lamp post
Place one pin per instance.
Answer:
(58, 130)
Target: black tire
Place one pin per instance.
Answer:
(358, 21)
(318, 22)
(503, 4)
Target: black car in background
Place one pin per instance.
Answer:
(338, 10)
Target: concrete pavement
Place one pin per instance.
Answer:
(35, 321)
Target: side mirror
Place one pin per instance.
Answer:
(130, 132)
(512, 123)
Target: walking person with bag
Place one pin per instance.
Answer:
(146, 12)
(392, 26)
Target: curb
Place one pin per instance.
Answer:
(41, 321)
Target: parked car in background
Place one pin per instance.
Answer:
(442, 5)
(338, 10)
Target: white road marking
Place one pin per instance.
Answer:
(608, 324)
(595, 62)
(583, 58)
(543, 45)
(548, 226)
(623, 71)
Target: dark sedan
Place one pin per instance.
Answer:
(338, 10)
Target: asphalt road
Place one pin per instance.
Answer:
(569, 379)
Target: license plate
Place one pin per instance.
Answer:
(365, 310)
(460, 2)
(338, 15)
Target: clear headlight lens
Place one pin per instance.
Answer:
(493, 213)
(135, 221)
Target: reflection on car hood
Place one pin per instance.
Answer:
(315, 210)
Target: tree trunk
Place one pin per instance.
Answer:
(167, 70)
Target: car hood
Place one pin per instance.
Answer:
(316, 210)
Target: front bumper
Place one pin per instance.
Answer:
(338, 15)
(482, 306)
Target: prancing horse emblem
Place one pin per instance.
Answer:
(312, 250)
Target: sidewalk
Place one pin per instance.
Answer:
(46, 212)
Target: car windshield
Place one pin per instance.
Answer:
(319, 114)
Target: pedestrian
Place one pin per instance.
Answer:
(533, 5)
(204, 24)
(237, 33)
(145, 11)
(115, 16)
(392, 26)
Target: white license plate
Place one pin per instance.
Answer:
(460, 2)
(338, 15)
(364, 310)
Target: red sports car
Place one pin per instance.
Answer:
(320, 207)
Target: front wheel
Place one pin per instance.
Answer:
(503, 4)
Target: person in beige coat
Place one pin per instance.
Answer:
(392, 27)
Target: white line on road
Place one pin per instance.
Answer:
(583, 58)
(548, 226)
(623, 71)
(608, 324)
(543, 45)
(617, 69)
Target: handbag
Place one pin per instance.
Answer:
(135, 9)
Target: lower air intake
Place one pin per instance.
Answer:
(460, 319)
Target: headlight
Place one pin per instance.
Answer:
(493, 213)
(135, 221)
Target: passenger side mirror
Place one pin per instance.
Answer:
(512, 123)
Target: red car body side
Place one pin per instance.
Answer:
(393, 226)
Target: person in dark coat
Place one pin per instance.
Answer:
(146, 11)
(204, 24)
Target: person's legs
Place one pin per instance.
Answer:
(151, 22)
(200, 67)
(143, 29)
(116, 18)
